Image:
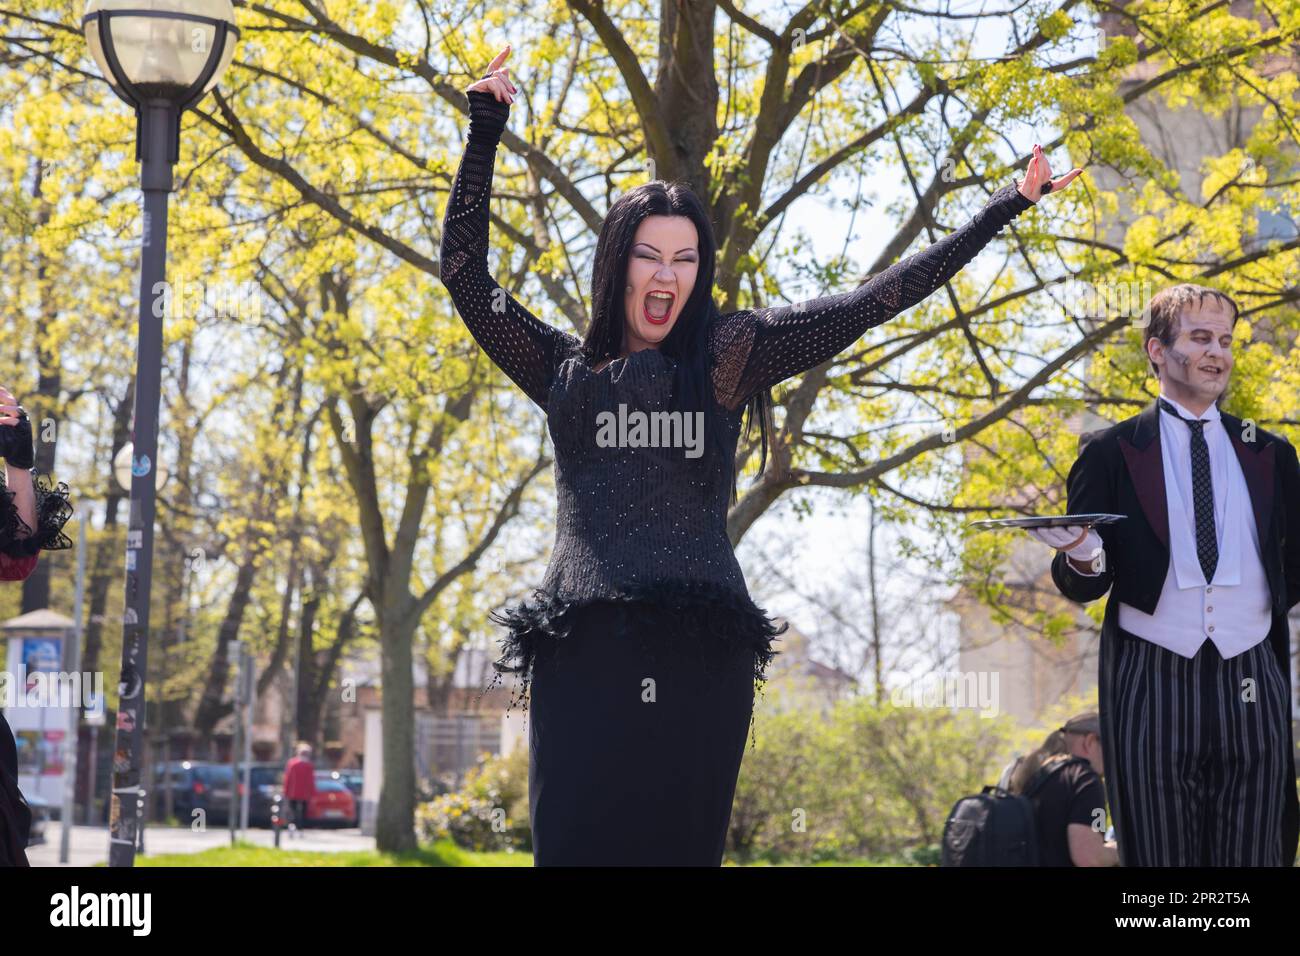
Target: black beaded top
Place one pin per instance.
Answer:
(636, 522)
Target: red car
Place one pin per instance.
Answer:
(333, 804)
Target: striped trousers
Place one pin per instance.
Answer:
(1196, 750)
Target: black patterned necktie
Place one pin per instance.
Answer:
(1207, 543)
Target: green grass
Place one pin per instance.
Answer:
(861, 861)
(444, 853)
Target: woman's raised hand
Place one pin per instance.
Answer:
(497, 79)
(10, 410)
(1038, 180)
(16, 435)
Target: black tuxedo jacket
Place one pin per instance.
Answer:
(1120, 470)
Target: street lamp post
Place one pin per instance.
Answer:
(160, 57)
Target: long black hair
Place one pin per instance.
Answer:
(687, 342)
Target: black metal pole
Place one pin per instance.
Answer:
(158, 131)
(237, 648)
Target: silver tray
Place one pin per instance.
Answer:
(1049, 521)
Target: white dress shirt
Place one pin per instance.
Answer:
(1233, 610)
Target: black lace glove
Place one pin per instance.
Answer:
(16, 442)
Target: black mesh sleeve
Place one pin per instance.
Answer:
(523, 347)
(755, 349)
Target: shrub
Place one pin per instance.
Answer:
(488, 813)
(862, 781)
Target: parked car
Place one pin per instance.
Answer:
(266, 781)
(349, 778)
(195, 785)
(333, 804)
(40, 817)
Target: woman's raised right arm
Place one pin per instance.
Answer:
(525, 348)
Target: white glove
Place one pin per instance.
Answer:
(1086, 551)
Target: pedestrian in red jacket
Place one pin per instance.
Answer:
(299, 785)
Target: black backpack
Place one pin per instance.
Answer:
(996, 827)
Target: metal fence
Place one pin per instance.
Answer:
(445, 747)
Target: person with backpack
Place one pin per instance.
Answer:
(1069, 799)
(1046, 810)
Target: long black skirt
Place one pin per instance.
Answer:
(636, 737)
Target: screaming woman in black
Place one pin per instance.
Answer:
(640, 652)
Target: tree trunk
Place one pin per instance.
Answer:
(101, 575)
(213, 705)
(36, 587)
(395, 825)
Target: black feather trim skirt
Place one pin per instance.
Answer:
(690, 618)
(636, 730)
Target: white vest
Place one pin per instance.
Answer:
(1234, 610)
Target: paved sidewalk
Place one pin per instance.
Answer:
(89, 845)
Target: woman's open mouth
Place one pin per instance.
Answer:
(657, 306)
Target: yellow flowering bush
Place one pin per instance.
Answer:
(488, 813)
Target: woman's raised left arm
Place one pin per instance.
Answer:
(754, 349)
